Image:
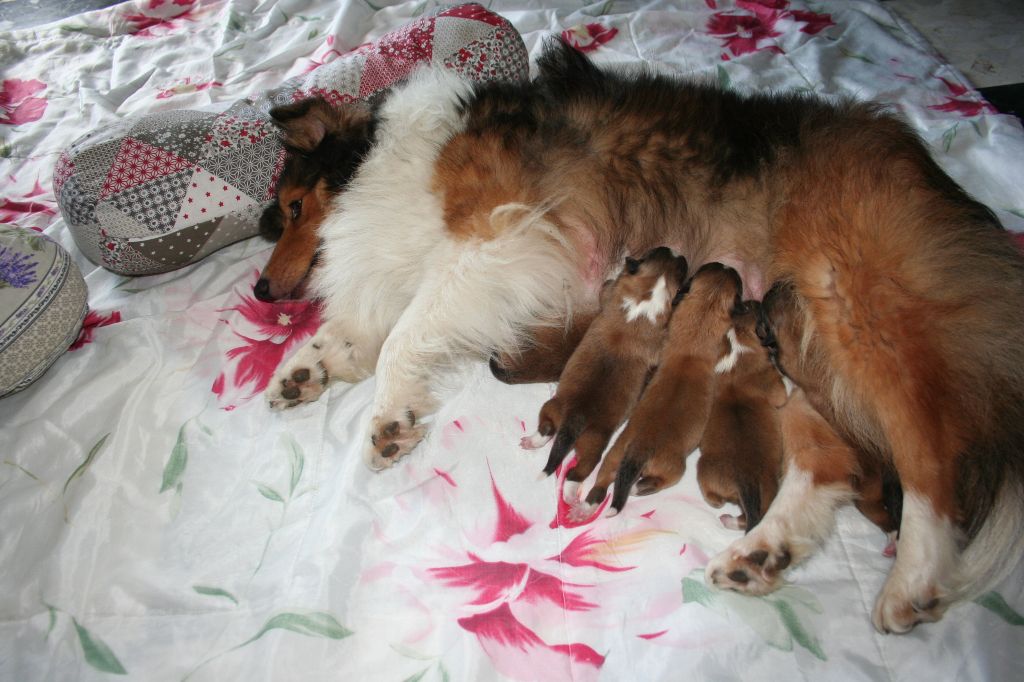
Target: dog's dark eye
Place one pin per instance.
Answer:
(632, 265)
(296, 208)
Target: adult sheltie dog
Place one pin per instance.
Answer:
(483, 212)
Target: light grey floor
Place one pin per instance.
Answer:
(983, 39)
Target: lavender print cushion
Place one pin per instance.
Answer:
(151, 194)
(42, 304)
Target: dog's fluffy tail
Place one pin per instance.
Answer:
(998, 544)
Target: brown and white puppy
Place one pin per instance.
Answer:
(607, 372)
(741, 451)
(668, 422)
(324, 146)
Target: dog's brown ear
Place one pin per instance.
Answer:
(304, 124)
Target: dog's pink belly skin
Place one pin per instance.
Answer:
(751, 274)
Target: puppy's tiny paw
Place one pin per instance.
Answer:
(393, 437)
(749, 567)
(293, 385)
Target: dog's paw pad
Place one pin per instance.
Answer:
(293, 387)
(391, 439)
(753, 569)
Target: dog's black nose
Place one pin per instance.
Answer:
(262, 290)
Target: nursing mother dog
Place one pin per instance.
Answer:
(481, 214)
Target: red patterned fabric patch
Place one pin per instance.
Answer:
(137, 162)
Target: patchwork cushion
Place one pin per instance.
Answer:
(42, 304)
(155, 193)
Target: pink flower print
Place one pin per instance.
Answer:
(18, 101)
(17, 211)
(583, 551)
(742, 33)
(326, 57)
(93, 320)
(813, 22)
(272, 330)
(153, 25)
(510, 522)
(504, 594)
(185, 87)
(153, 4)
(768, 9)
(500, 581)
(589, 37)
(518, 653)
(965, 107)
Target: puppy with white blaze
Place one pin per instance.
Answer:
(483, 216)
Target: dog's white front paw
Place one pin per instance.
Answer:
(300, 380)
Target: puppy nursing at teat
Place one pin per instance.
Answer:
(668, 422)
(741, 451)
(607, 372)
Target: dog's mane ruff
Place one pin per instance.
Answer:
(378, 234)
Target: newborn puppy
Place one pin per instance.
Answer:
(741, 451)
(669, 420)
(607, 371)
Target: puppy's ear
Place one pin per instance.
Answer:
(304, 124)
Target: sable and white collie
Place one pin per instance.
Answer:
(481, 212)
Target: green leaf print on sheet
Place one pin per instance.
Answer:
(310, 624)
(214, 592)
(994, 602)
(96, 652)
(296, 467)
(77, 473)
(175, 467)
(316, 624)
(774, 616)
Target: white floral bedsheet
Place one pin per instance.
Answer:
(158, 522)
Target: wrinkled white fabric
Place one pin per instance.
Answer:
(154, 526)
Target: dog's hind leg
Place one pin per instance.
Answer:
(819, 467)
